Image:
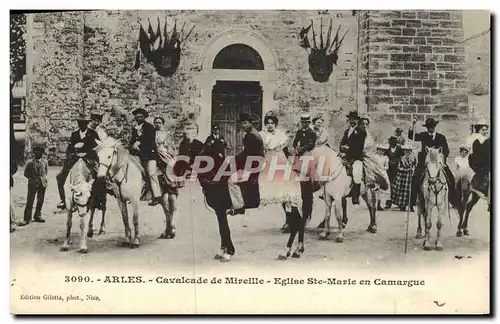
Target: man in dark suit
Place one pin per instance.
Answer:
(351, 148)
(215, 147)
(431, 138)
(253, 147)
(143, 144)
(304, 141)
(88, 138)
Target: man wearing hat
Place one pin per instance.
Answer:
(394, 153)
(304, 141)
(253, 146)
(36, 173)
(431, 138)
(143, 144)
(398, 134)
(87, 137)
(95, 124)
(351, 148)
(215, 147)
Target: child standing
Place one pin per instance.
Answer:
(36, 173)
(400, 191)
(383, 161)
(462, 164)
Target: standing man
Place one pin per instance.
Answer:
(143, 145)
(82, 135)
(253, 146)
(398, 134)
(95, 124)
(351, 147)
(215, 147)
(36, 173)
(431, 138)
(304, 141)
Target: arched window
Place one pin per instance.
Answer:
(238, 57)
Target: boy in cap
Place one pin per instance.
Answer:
(398, 134)
(351, 147)
(253, 146)
(304, 141)
(36, 173)
(431, 138)
(143, 144)
(88, 138)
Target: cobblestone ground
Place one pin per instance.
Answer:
(256, 236)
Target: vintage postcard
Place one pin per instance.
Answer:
(250, 162)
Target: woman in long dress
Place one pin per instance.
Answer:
(278, 186)
(400, 191)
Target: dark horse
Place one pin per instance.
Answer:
(217, 197)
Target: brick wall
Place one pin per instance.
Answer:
(415, 64)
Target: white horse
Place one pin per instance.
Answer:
(126, 175)
(78, 190)
(434, 193)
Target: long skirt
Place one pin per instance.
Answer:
(169, 170)
(400, 191)
(277, 186)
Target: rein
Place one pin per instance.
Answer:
(111, 176)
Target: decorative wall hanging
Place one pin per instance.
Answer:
(321, 59)
(160, 49)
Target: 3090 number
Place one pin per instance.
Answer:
(76, 279)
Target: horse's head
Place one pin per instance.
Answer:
(81, 195)
(107, 152)
(434, 160)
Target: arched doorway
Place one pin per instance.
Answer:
(238, 74)
(230, 98)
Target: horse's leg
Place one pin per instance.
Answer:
(172, 206)
(439, 223)
(370, 198)
(227, 246)
(135, 210)
(328, 212)
(67, 239)
(428, 226)
(470, 205)
(166, 211)
(420, 211)
(337, 206)
(102, 229)
(84, 224)
(294, 224)
(345, 219)
(90, 231)
(461, 211)
(302, 227)
(286, 227)
(126, 225)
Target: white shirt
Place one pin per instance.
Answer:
(351, 130)
(83, 134)
(433, 135)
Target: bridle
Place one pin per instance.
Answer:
(436, 183)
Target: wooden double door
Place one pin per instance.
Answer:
(229, 99)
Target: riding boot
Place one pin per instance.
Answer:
(355, 192)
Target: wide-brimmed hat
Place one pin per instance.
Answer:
(482, 122)
(244, 117)
(84, 117)
(430, 122)
(393, 139)
(305, 118)
(399, 130)
(96, 115)
(141, 111)
(79, 150)
(353, 115)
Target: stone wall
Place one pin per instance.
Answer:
(415, 65)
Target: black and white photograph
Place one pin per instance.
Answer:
(250, 162)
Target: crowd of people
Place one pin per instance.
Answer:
(392, 165)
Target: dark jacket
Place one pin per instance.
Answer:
(355, 143)
(304, 140)
(427, 141)
(147, 140)
(36, 173)
(215, 147)
(480, 159)
(89, 143)
(252, 146)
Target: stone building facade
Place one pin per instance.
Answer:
(392, 64)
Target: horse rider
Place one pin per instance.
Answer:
(431, 138)
(87, 137)
(305, 141)
(476, 139)
(479, 159)
(351, 149)
(253, 146)
(143, 145)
